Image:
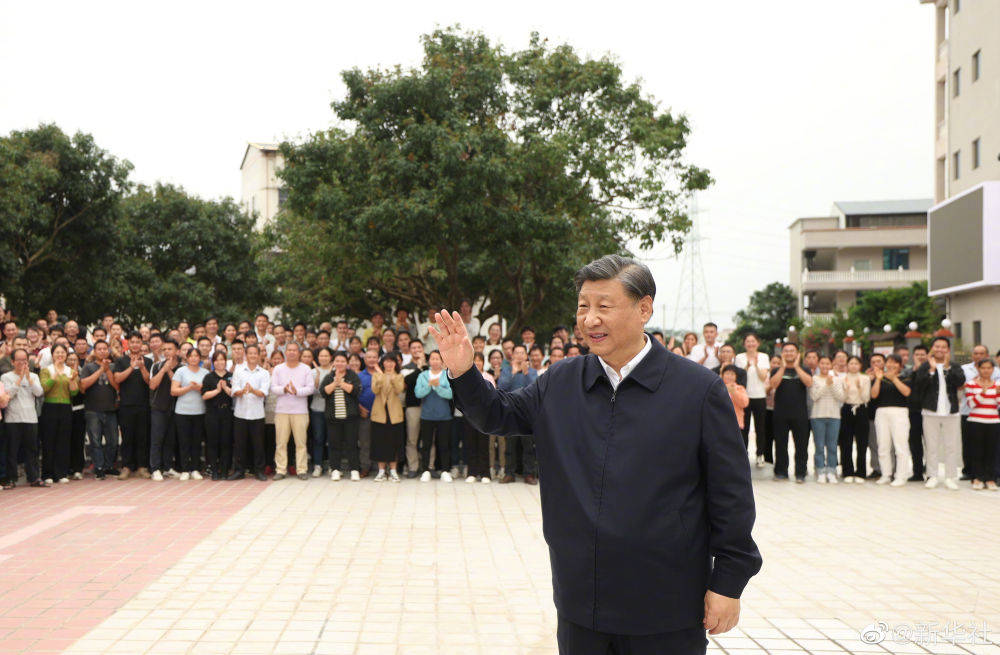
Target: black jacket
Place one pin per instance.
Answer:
(350, 399)
(640, 487)
(925, 380)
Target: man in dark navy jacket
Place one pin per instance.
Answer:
(646, 496)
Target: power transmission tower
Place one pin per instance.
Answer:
(692, 292)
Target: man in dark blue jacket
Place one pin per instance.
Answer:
(645, 555)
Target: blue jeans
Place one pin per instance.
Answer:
(825, 434)
(102, 424)
(317, 436)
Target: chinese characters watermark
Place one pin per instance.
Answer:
(952, 632)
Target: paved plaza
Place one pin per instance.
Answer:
(362, 567)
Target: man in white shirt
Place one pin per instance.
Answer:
(265, 339)
(707, 354)
(251, 384)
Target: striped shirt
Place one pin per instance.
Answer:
(983, 404)
(339, 403)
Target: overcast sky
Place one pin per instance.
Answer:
(794, 104)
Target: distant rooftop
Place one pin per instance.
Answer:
(876, 207)
(266, 147)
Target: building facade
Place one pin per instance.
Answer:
(964, 224)
(261, 192)
(861, 246)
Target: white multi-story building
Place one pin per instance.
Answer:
(964, 225)
(861, 246)
(261, 193)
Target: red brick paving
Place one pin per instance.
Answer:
(58, 580)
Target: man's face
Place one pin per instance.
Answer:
(107, 321)
(371, 359)
(789, 353)
(727, 354)
(80, 347)
(878, 363)
(555, 356)
(169, 350)
(155, 345)
(377, 320)
(184, 329)
(341, 331)
(135, 344)
(404, 342)
(417, 350)
(72, 329)
(536, 359)
(508, 349)
(322, 340)
(919, 357)
(527, 337)
(941, 351)
(519, 355)
(609, 319)
(280, 335)
(10, 331)
(199, 332)
(261, 324)
(101, 351)
(116, 331)
(904, 354)
(710, 332)
(811, 361)
(20, 361)
(212, 327)
(239, 352)
(292, 354)
(52, 316)
(979, 353)
(253, 356)
(299, 332)
(402, 316)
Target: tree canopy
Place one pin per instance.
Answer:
(481, 174)
(768, 314)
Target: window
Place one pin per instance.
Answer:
(955, 160)
(862, 265)
(976, 58)
(975, 154)
(895, 258)
(956, 79)
(977, 332)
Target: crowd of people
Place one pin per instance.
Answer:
(892, 417)
(264, 400)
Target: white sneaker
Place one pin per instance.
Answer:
(393, 476)
(317, 471)
(821, 477)
(63, 480)
(486, 480)
(859, 479)
(355, 476)
(978, 485)
(335, 475)
(185, 476)
(381, 477)
(48, 480)
(948, 482)
(898, 482)
(78, 476)
(760, 461)
(195, 475)
(831, 477)
(885, 479)
(445, 476)
(425, 476)
(931, 482)
(849, 479)
(471, 478)
(172, 473)
(157, 476)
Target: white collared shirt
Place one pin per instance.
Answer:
(613, 375)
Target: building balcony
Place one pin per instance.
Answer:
(860, 280)
(818, 316)
(865, 237)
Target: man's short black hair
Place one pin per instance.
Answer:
(946, 340)
(710, 324)
(634, 276)
(920, 346)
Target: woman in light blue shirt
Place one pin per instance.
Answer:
(189, 413)
(434, 391)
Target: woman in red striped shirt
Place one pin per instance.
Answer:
(983, 425)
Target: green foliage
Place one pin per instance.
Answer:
(75, 237)
(897, 307)
(769, 313)
(481, 174)
(59, 208)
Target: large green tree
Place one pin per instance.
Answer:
(768, 314)
(482, 173)
(896, 307)
(184, 257)
(59, 210)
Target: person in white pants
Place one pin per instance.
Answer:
(892, 422)
(937, 381)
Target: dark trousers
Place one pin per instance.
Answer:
(853, 430)
(77, 434)
(252, 431)
(3, 453)
(765, 447)
(102, 426)
(577, 640)
(190, 434)
(342, 434)
(163, 441)
(270, 443)
(134, 422)
(757, 409)
(55, 425)
(22, 436)
(529, 460)
(917, 440)
(799, 427)
(982, 439)
(317, 436)
(459, 446)
(438, 433)
(478, 451)
(219, 438)
(967, 469)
